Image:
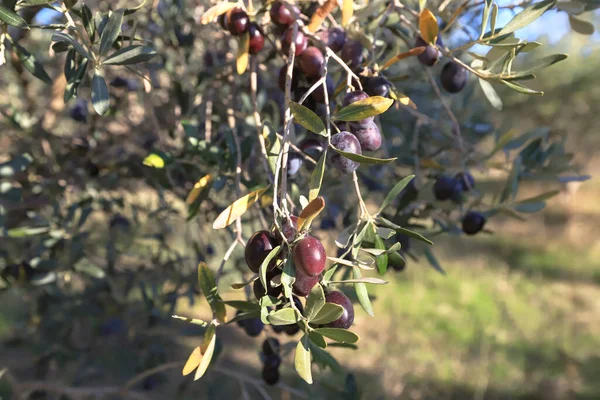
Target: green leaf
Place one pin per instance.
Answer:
(302, 359)
(27, 231)
(399, 229)
(32, 65)
(527, 16)
(324, 359)
(307, 119)
(328, 313)
(317, 339)
(154, 160)
(362, 109)
(543, 62)
(485, 16)
(245, 315)
(130, 55)
(208, 286)
(132, 10)
(339, 335)
(100, 96)
(88, 22)
(316, 178)
(262, 272)
(111, 31)
(362, 293)
(75, 81)
(581, 26)
(381, 260)
(64, 37)
(493, 17)
(288, 276)
(285, 316)
(191, 320)
(433, 261)
(529, 208)
(364, 159)
(90, 269)
(12, 18)
(491, 94)
(242, 305)
(540, 197)
(314, 302)
(395, 192)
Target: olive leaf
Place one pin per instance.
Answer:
(362, 109)
(428, 26)
(314, 302)
(307, 118)
(302, 362)
(339, 335)
(238, 208)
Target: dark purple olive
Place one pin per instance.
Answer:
(347, 142)
(466, 180)
(454, 77)
(446, 188)
(258, 248)
(431, 54)
(473, 223)
(270, 375)
(334, 38)
(312, 62)
(352, 53)
(368, 135)
(237, 21)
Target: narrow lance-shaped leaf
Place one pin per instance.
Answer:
(198, 188)
(364, 159)
(238, 208)
(412, 52)
(317, 339)
(208, 348)
(362, 293)
(302, 361)
(347, 11)
(111, 31)
(208, 286)
(433, 260)
(288, 276)
(32, 64)
(398, 187)
(262, 272)
(491, 94)
(308, 119)
(284, 316)
(64, 37)
(539, 64)
(381, 260)
(362, 109)
(366, 279)
(314, 302)
(130, 55)
(316, 178)
(310, 212)
(100, 96)
(88, 22)
(526, 17)
(581, 26)
(485, 16)
(12, 18)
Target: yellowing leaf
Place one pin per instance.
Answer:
(347, 11)
(428, 26)
(154, 160)
(243, 55)
(320, 15)
(362, 109)
(412, 52)
(309, 213)
(208, 348)
(215, 11)
(197, 189)
(237, 208)
(402, 99)
(192, 362)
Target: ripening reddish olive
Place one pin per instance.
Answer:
(257, 40)
(304, 283)
(431, 54)
(454, 77)
(258, 248)
(368, 135)
(344, 141)
(237, 21)
(352, 53)
(347, 318)
(309, 256)
(286, 41)
(473, 222)
(281, 15)
(334, 38)
(312, 62)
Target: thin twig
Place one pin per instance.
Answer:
(257, 119)
(225, 258)
(361, 202)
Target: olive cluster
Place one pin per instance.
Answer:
(309, 258)
(453, 76)
(452, 188)
(237, 22)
